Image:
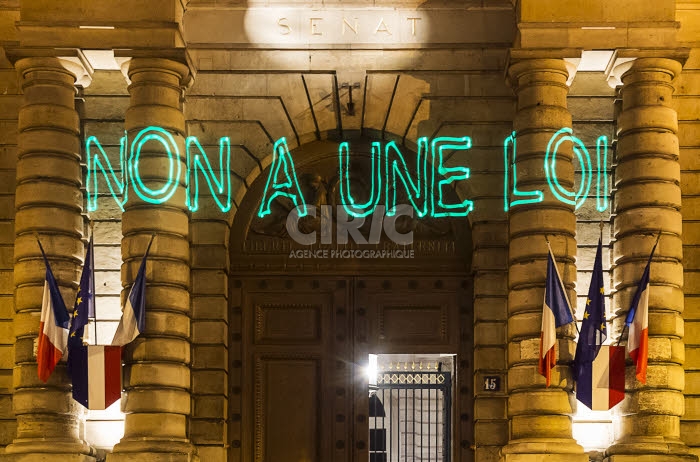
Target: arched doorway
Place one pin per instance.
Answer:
(306, 318)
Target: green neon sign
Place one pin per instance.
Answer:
(165, 192)
(513, 196)
(100, 161)
(282, 166)
(524, 197)
(425, 187)
(425, 195)
(450, 175)
(351, 206)
(219, 185)
(416, 188)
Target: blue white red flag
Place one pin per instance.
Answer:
(601, 383)
(556, 312)
(97, 375)
(95, 371)
(133, 319)
(53, 327)
(638, 323)
(599, 370)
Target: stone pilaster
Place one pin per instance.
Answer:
(10, 102)
(489, 266)
(540, 417)
(210, 334)
(157, 372)
(648, 201)
(49, 203)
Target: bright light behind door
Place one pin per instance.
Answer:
(372, 369)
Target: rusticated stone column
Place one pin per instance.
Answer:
(540, 417)
(648, 200)
(49, 203)
(157, 373)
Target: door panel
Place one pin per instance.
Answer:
(288, 324)
(287, 422)
(305, 345)
(413, 324)
(411, 316)
(291, 375)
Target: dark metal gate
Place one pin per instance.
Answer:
(410, 416)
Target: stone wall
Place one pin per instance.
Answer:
(687, 103)
(10, 101)
(102, 110)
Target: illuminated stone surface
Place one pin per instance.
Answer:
(540, 418)
(156, 399)
(647, 142)
(267, 70)
(47, 416)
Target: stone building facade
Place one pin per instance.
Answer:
(250, 354)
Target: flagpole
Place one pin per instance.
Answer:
(602, 225)
(36, 236)
(622, 334)
(153, 236)
(653, 249)
(91, 236)
(573, 315)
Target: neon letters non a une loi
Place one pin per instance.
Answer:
(424, 187)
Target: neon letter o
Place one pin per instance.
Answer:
(155, 196)
(575, 198)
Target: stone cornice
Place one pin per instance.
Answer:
(622, 60)
(71, 59)
(571, 56)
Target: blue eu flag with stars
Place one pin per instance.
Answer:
(593, 328)
(83, 310)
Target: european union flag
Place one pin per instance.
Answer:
(84, 309)
(594, 326)
(85, 301)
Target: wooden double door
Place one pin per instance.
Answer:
(304, 346)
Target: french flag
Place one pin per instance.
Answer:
(53, 327)
(600, 385)
(133, 319)
(95, 371)
(97, 375)
(638, 323)
(556, 312)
